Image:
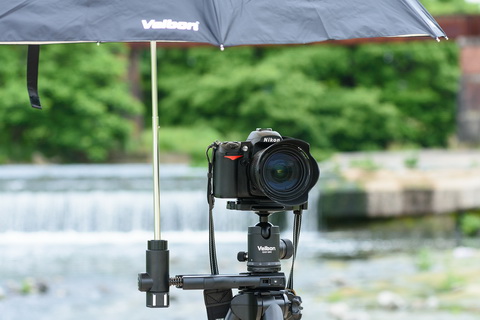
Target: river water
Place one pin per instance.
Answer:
(73, 239)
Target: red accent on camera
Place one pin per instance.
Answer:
(232, 157)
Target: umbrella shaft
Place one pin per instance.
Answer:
(156, 151)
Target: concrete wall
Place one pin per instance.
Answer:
(399, 191)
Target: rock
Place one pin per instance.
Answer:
(432, 302)
(342, 311)
(464, 252)
(390, 300)
(339, 281)
(358, 315)
(339, 311)
(42, 287)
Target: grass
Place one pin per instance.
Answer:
(181, 144)
(452, 282)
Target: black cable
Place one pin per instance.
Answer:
(297, 225)
(217, 301)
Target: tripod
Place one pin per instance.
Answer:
(263, 292)
(265, 305)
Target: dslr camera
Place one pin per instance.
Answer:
(267, 172)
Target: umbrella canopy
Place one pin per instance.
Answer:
(218, 22)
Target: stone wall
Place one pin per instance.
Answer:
(358, 192)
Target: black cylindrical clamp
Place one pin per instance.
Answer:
(155, 282)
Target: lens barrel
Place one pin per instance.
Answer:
(285, 172)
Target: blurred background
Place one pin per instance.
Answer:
(394, 222)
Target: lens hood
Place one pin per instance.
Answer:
(285, 171)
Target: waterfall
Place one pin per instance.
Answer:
(105, 198)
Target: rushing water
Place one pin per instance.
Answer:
(73, 238)
(111, 198)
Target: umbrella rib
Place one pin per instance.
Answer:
(16, 8)
(221, 41)
(427, 19)
(320, 19)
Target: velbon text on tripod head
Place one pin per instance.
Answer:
(265, 248)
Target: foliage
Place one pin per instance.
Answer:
(192, 141)
(337, 98)
(444, 7)
(470, 224)
(411, 161)
(421, 79)
(86, 104)
(424, 260)
(367, 164)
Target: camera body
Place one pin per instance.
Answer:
(265, 171)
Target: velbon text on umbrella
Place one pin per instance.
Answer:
(170, 24)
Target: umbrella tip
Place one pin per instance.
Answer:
(222, 47)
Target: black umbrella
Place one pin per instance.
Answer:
(218, 22)
(221, 23)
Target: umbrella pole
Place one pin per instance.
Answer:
(156, 281)
(156, 151)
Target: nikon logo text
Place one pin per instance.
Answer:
(170, 24)
(265, 249)
(270, 139)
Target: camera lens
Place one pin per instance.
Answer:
(281, 172)
(285, 172)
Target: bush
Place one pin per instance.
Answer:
(421, 80)
(337, 98)
(86, 101)
(470, 224)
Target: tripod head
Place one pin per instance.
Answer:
(265, 248)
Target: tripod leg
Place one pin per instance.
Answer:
(246, 306)
(231, 316)
(273, 312)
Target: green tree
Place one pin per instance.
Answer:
(445, 7)
(337, 98)
(84, 91)
(420, 79)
